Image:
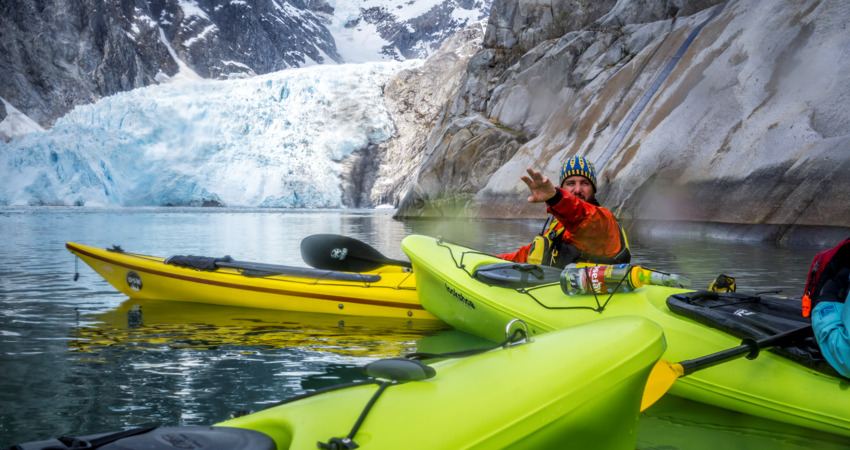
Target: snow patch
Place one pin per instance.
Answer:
(16, 124)
(184, 72)
(190, 8)
(201, 36)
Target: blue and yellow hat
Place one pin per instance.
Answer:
(577, 165)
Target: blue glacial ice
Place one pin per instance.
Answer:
(269, 141)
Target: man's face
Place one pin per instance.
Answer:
(579, 186)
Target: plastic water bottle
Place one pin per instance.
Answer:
(587, 279)
(605, 279)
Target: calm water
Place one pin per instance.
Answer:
(77, 359)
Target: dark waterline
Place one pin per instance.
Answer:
(79, 357)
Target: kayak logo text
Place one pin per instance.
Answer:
(134, 281)
(460, 297)
(339, 253)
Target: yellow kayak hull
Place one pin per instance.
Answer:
(149, 277)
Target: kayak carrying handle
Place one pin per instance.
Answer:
(399, 369)
(526, 338)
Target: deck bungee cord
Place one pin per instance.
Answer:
(622, 282)
(406, 369)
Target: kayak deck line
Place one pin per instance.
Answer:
(244, 287)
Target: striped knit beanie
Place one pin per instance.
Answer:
(577, 165)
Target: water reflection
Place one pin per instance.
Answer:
(159, 325)
(676, 423)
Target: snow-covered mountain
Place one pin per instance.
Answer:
(63, 53)
(375, 30)
(272, 140)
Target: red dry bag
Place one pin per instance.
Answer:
(824, 266)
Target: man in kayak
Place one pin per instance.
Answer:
(580, 229)
(831, 321)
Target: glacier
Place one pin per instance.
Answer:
(275, 140)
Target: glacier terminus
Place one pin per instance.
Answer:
(264, 141)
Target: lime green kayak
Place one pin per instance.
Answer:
(769, 386)
(574, 388)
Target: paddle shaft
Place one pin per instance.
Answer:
(749, 347)
(299, 272)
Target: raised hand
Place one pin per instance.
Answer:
(540, 186)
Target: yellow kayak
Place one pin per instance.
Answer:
(388, 291)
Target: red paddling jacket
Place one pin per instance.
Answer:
(580, 231)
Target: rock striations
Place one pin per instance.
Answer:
(749, 126)
(416, 99)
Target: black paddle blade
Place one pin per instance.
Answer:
(342, 253)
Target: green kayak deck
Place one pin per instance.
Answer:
(769, 386)
(574, 388)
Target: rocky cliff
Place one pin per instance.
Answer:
(416, 98)
(692, 110)
(62, 53)
(58, 54)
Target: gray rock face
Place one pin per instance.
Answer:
(750, 127)
(56, 54)
(417, 99)
(488, 113)
(220, 39)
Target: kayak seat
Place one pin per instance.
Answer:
(756, 317)
(516, 275)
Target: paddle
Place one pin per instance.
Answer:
(261, 270)
(341, 253)
(665, 373)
